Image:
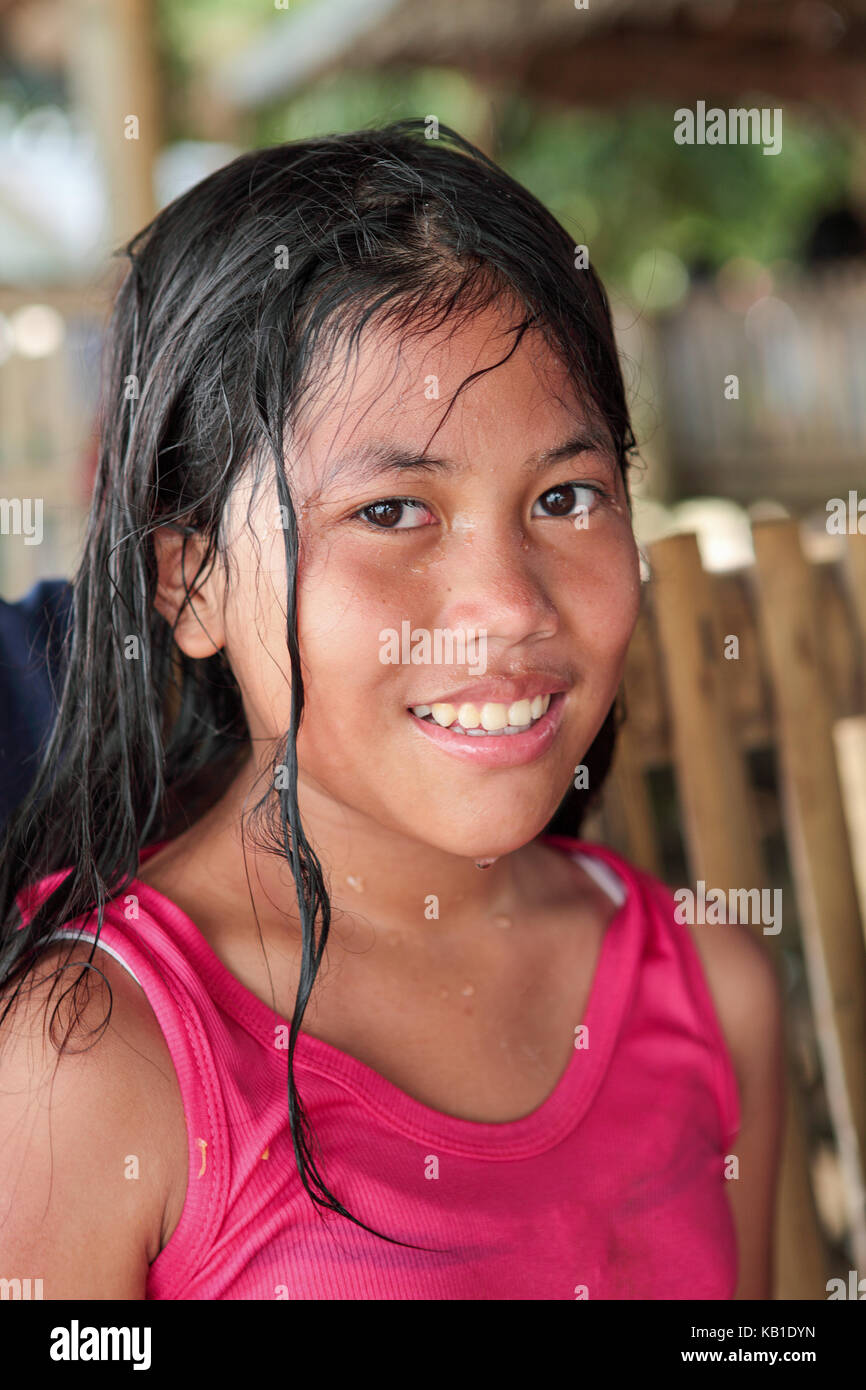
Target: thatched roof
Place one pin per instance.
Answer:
(614, 49)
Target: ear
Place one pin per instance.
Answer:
(200, 630)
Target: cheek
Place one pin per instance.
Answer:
(259, 659)
(599, 595)
(343, 606)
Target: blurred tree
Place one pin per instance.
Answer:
(616, 179)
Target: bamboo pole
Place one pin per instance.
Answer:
(820, 856)
(849, 737)
(723, 848)
(855, 575)
(718, 819)
(114, 74)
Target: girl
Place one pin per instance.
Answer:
(360, 406)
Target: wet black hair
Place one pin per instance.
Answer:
(216, 341)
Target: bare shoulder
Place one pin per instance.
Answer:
(93, 1150)
(744, 986)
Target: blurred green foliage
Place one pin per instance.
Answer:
(616, 179)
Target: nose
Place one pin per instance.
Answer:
(491, 580)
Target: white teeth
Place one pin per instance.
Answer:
(444, 714)
(520, 712)
(491, 718)
(494, 718)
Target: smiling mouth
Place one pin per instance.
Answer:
(453, 726)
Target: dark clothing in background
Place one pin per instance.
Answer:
(31, 636)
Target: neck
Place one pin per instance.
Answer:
(402, 884)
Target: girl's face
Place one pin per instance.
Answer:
(534, 555)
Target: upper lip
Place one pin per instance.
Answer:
(499, 690)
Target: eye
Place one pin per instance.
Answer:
(584, 495)
(386, 513)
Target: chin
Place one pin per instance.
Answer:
(470, 846)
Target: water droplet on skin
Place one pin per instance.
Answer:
(485, 863)
(468, 989)
(356, 883)
(502, 921)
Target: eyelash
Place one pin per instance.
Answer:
(578, 484)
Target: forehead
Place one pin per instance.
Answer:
(402, 389)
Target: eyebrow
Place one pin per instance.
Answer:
(379, 457)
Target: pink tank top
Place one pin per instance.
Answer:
(613, 1188)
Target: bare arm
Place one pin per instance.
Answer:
(72, 1130)
(743, 983)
